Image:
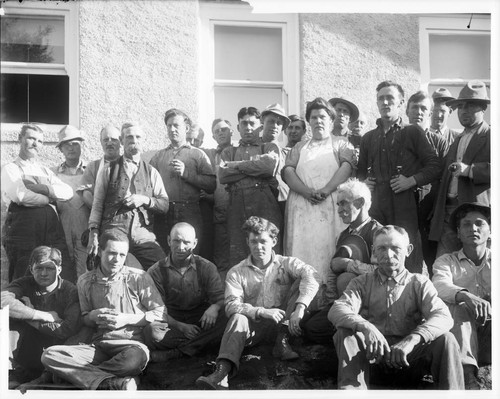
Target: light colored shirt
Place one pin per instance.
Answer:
(14, 190)
(90, 175)
(129, 291)
(159, 201)
(249, 288)
(399, 306)
(198, 173)
(455, 272)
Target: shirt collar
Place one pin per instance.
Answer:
(472, 130)
(63, 167)
(399, 279)
(255, 143)
(398, 124)
(26, 162)
(192, 262)
(357, 229)
(249, 263)
(185, 145)
(461, 255)
(101, 278)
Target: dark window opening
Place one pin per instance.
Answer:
(34, 98)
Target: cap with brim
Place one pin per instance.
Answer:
(354, 109)
(473, 91)
(469, 207)
(442, 95)
(69, 133)
(355, 246)
(276, 109)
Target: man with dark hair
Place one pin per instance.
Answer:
(395, 159)
(249, 171)
(185, 170)
(127, 192)
(30, 192)
(222, 133)
(117, 302)
(346, 112)
(393, 320)
(467, 167)
(294, 131)
(192, 291)
(463, 281)
(266, 297)
(43, 311)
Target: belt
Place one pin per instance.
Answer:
(183, 202)
(254, 185)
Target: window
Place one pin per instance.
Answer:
(452, 54)
(248, 60)
(39, 64)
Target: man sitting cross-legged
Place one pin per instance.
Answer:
(266, 296)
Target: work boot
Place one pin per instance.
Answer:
(119, 384)
(470, 377)
(218, 379)
(164, 356)
(282, 348)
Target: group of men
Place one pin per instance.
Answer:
(417, 183)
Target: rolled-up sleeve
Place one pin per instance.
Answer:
(150, 299)
(159, 200)
(442, 278)
(308, 286)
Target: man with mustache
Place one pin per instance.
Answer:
(127, 192)
(30, 192)
(467, 168)
(463, 281)
(392, 321)
(192, 291)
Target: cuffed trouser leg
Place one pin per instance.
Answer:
(465, 332)
(445, 362)
(233, 341)
(353, 371)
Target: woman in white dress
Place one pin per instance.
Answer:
(313, 170)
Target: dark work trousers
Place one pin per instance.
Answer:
(206, 240)
(178, 211)
(245, 202)
(424, 215)
(400, 210)
(27, 228)
(317, 328)
(159, 336)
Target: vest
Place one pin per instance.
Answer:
(118, 185)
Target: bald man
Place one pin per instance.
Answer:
(192, 291)
(110, 143)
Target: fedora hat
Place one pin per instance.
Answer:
(474, 91)
(69, 133)
(355, 247)
(442, 95)
(469, 207)
(352, 107)
(276, 109)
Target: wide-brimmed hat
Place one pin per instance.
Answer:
(442, 95)
(354, 109)
(474, 91)
(355, 247)
(469, 207)
(276, 109)
(69, 133)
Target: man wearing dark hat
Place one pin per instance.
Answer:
(463, 281)
(394, 160)
(74, 214)
(466, 173)
(30, 192)
(275, 122)
(249, 171)
(353, 255)
(127, 194)
(440, 115)
(346, 112)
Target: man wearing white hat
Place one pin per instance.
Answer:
(274, 122)
(346, 112)
(30, 191)
(466, 173)
(74, 214)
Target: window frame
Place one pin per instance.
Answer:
(212, 14)
(68, 11)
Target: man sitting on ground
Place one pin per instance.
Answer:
(463, 281)
(266, 297)
(191, 289)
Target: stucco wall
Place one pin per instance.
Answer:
(349, 54)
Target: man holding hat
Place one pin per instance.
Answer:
(346, 112)
(74, 214)
(463, 281)
(440, 114)
(466, 173)
(30, 191)
(274, 122)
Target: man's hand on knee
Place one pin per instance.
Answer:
(273, 314)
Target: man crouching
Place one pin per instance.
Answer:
(266, 296)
